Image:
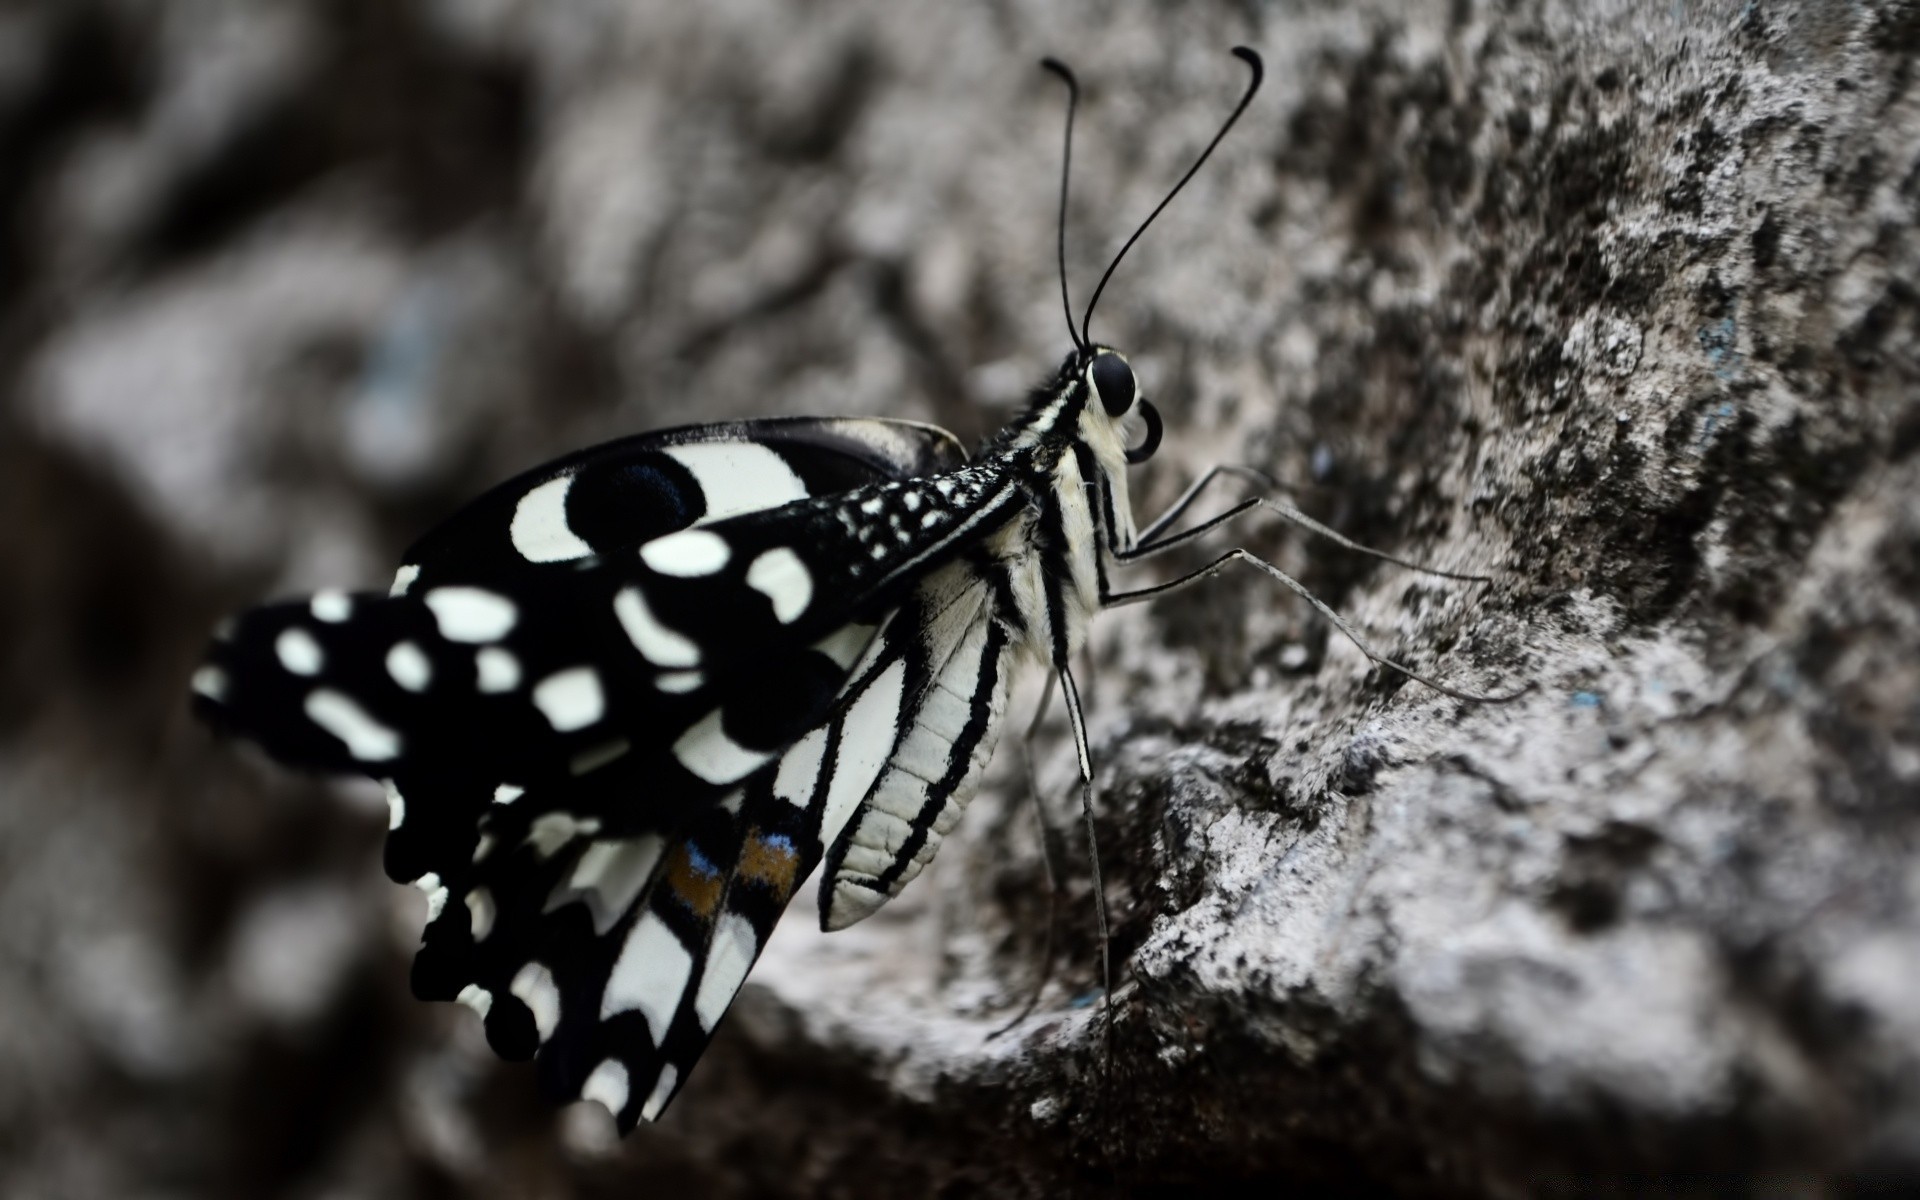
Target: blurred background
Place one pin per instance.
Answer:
(1612, 301)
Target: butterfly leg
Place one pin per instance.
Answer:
(1076, 720)
(1159, 524)
(1046, 860)
(1155, 540)
(1112, 599)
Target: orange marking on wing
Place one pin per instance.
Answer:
(696, 884)
(771, 862)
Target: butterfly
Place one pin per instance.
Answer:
(624, 704)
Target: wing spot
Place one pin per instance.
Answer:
(845, 644)
(656, 643)
(480, 910)
(708, 752)
(403, 579)
(738, 477)
(649, 976)
(550, 831)
(507, 793)
(367, 739)
(571, 699)
(298, 652)
(608, 878)
(728, 961)
(471, 614)
(779, 575)
(679, 681)
(536, 989)
(800, 768)
(687, 554)
(662, 1092)
(539, 528)
(396, 805)
(210, 681)
(409, 666)
(332, 606)
(477, 998)
(771, 861)
(608, 1085)
(694, 880)
(496, 670)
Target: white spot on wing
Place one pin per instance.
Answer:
(476, 998)
(210, 681)
(650, 975)
(409, 666)
(728, 961)
(496, 670)
(608, 1085)
(471, 614)
(679, 681)
(332, 606)
(367, 739)
(570, 699)
(396, 805)
(535, 987)
(550, 831)
(799, 767)
(845, 644)
(868, 733)
(507, 793)
(662, 1092)
(539, 529)
(609, 877)
(708, 752)
(403, 579)
(661, 646)
(688, 553)
(480, 910)
(737, 477)
(784, 579)
(298, 652)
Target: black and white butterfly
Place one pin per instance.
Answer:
(625, 703)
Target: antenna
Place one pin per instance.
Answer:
(1066, 169)
(1253, 85)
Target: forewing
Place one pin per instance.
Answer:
(627, 491)
(512, 656)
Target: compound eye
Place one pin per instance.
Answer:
(1113, 379)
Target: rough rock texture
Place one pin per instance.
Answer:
(1612, 302)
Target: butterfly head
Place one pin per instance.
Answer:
(1111, 384)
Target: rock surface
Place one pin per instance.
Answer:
(1611, 302)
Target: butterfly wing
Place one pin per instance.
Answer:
(614, 957)
(624, 492)
(426, 690)
(595, 736)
